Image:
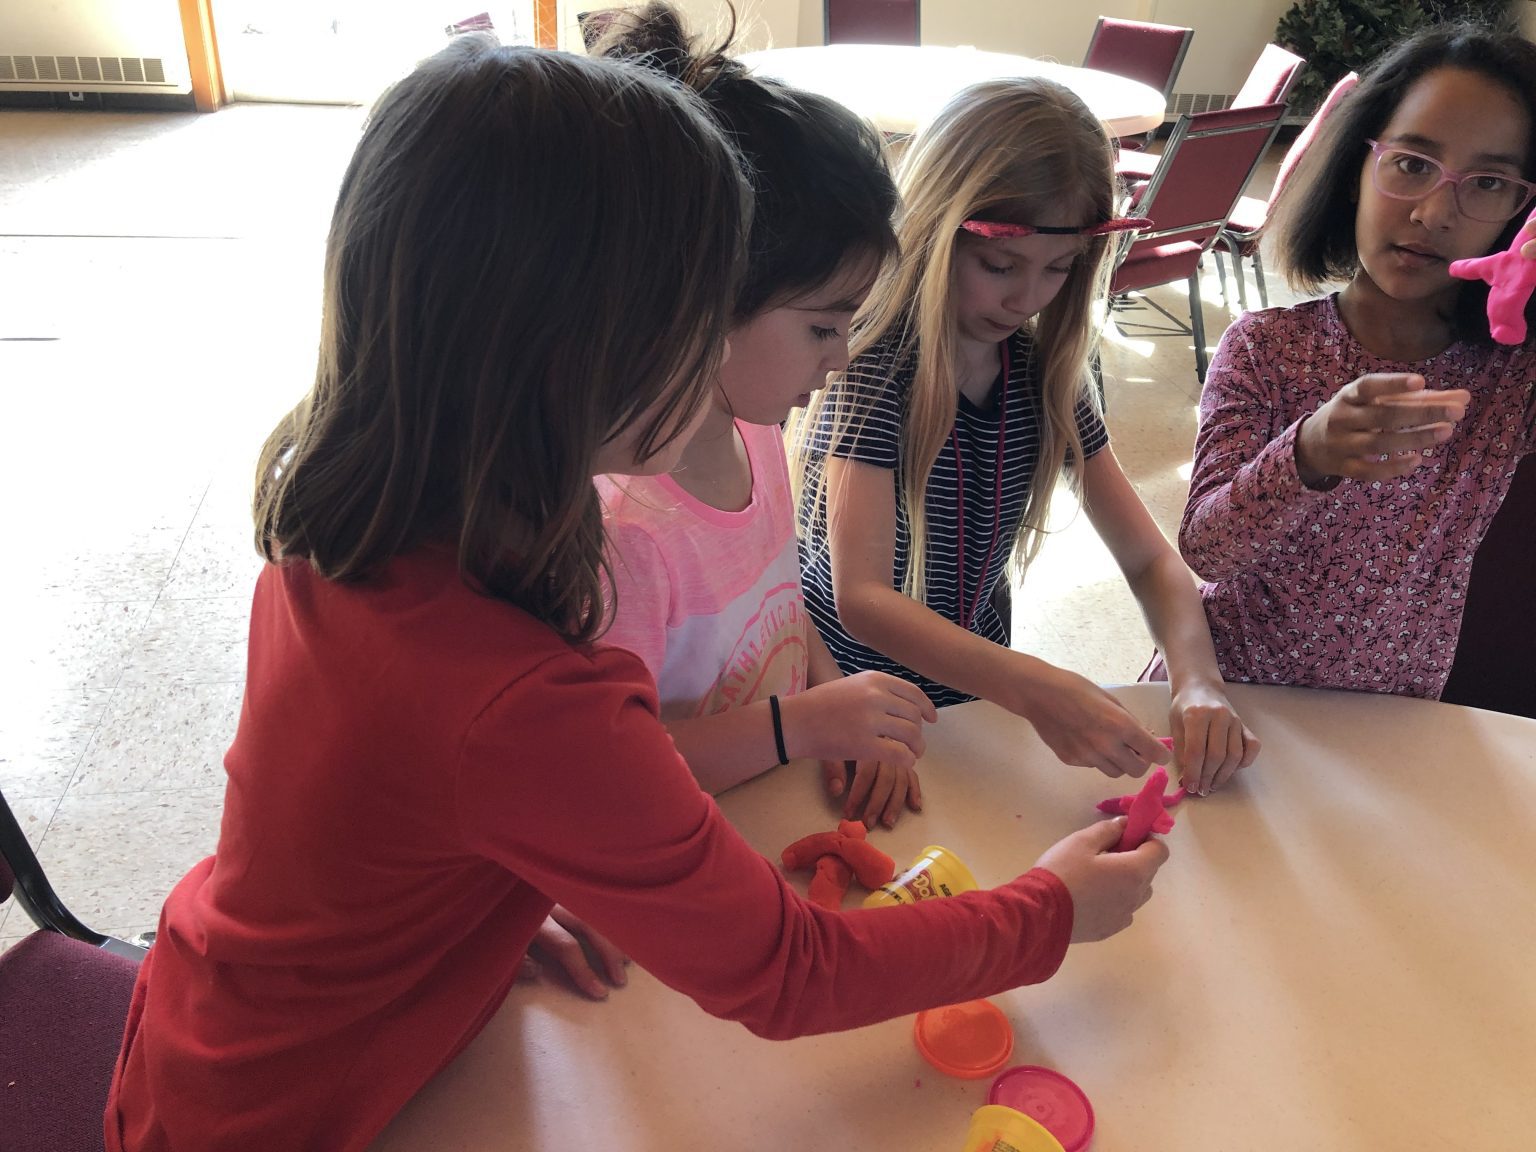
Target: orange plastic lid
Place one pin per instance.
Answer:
(971, 1040)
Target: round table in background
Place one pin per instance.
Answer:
(900, 87)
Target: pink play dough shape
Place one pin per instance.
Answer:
(1146, 811)
(1512, 277)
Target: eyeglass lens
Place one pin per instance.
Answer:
(1483, 196)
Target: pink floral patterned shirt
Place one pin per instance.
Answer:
(1361, 587)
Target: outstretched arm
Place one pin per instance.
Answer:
(1210, 741)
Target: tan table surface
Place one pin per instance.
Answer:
(1340, 955)
(900, 87)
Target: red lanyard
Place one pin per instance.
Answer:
(967, 615)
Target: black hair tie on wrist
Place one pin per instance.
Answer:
(778, 729)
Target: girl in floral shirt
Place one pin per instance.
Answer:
(1354, 450)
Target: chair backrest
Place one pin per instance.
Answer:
(1208, 162)
(1150, 53)
(1270, 79)
(873, 22)
(1492, 667)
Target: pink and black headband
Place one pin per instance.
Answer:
(992, 230)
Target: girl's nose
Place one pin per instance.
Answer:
(1437, 211)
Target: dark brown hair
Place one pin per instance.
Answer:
(529, 250)
(823, 192)
(1314, 230)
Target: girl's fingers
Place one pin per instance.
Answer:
(907, 733)
(889, 750)
(611, 960)
(878, 810)
(858, 792)
(1251, 747)
(1147, 748)
(1196, 734)
(1234, 756)
(914, 696)
(914, 792)
(557, 943)
(834, 775)
(583, 936)
(1130, 762)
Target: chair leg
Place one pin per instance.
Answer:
(1197, 326)
(1237, 273)
(1221, 275)
(1258, 274)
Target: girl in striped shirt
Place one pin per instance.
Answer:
(930, 463)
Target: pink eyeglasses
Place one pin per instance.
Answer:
(1489, 197)
(992, 230)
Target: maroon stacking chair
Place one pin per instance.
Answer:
(1208, 162)
(1244, 230)
(64, 993)
(872, 22)
(1271, 78)
(1149, 53)
(1497, 646)
(1269, 81)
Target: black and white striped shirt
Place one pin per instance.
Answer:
(879, 384)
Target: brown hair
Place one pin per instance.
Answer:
(823, 192)
(529, 250)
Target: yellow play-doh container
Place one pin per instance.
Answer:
(995, 1128)
(937, 872)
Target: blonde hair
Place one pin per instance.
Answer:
(1015, 151)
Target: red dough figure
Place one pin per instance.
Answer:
(1513, 278)
(838, 857)
(1145, 811)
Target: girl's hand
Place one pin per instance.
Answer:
(565, 942)
(1106, 886)
(1209, 740)
(1376, 427)
(1529, 250)
(879, 791)
(868, 716)
(1083, 724)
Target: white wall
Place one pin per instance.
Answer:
(1229, 34)
(1528, 20)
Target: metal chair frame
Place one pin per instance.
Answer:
(36, 897)
(1188, 129)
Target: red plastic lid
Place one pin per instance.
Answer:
(1048, 1097)
(970, 1040)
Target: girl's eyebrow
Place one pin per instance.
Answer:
(1424, 143)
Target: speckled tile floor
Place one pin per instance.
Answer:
(158, 312)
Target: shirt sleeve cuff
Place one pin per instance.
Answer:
(1271, 479)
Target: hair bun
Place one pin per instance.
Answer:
(652, 35)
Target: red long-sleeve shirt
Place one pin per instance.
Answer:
(418, 774)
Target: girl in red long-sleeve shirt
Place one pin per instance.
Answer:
(527, 280)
